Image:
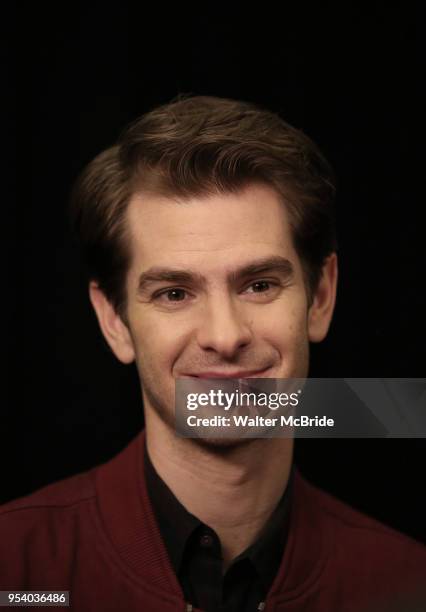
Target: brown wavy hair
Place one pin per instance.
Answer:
(196, 146)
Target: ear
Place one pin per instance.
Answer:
(322, 307)
(115, 332)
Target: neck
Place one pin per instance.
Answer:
(233, 489)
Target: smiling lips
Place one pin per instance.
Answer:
(227, 374)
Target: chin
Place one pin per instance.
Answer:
(222, 445)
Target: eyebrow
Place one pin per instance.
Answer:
(276, 264)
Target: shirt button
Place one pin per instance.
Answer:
(206, 540)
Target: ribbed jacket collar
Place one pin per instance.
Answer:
(129, 521)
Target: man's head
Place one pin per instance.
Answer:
(209, 235)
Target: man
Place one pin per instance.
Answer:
(209, 236)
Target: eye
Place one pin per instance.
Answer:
(172, 295)
(263, 290)
(259, 286)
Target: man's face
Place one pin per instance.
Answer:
(215, 289)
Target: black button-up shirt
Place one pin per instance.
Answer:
(195, 553)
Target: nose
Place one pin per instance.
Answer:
(223, 329)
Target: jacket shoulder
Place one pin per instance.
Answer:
(66, 492)
(40, 532)
(365, 555)
(349, 521)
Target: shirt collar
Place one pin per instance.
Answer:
(175, 522)
(177, 525)
(267, 551)
(125, 515)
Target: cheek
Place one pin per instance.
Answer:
(284, 322)
(157, 342)
(287, 337)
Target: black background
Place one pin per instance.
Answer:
(350, 76)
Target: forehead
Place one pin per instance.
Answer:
(220, 229)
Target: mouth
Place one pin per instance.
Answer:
(227, 374)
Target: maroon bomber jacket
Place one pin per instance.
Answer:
(95, 535)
